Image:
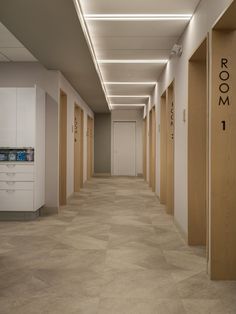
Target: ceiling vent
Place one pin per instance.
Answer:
(177, 51)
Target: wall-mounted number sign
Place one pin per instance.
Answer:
(224, 87)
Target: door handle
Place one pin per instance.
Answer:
(10, 182)
(11, 174)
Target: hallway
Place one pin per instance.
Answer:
(113, 249)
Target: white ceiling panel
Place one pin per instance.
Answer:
(134, 42)
(7, 40)
(127, 106)
(136, 28)
(133, 54)
(135, 39)
(129, 89)
(131, 72)
(11, 48)
(18, 54)
(129, 100)
(3, 58)
(139, 6)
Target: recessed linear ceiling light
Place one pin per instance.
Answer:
(135, 105)
(128, 96)
(134, 61)
(137, 17)
(129, 83)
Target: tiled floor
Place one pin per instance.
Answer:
(112, 250)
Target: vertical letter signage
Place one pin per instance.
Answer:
(172, 120)
(224, 88)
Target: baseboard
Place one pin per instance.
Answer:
(102, 174)
(47, 211)
(19, 216)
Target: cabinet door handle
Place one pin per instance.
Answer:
(11, 174)
(11, 166)
(11, 182)
(10, 191)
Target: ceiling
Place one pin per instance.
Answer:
(11, 49)
(131, 40)
(52, 32)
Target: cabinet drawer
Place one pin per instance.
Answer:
(13, 185)
(18, 168)
(13, 176)
(16, 200)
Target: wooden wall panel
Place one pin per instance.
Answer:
(163, 152)
(145, 148)
(223, 156)
(197, 152)
(63, 150)
(78, 148)
(152, 149)
(81, 148)
(170, 150)
(90, 139)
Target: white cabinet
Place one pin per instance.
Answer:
(8, 117)
(26, 105)
(22, 125)
(17, 117)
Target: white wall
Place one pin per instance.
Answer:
(130, 115)
(26, 74)
(72, 98)
(205, 16)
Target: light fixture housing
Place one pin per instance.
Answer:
(137, 17)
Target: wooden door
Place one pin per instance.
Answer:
(197, 147)
(145, 148)
(170, 150)
(163, 152)
(152, 149)
(76, 148)
(63, 149)
(90, 131)
(223, 150)
(81, 149)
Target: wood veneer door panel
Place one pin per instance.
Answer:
(77, 130)
(153, 150)
(163, 152)
(197, 153)
(145, 148)
(63, 150)
(223, 157)
(170, 150)
(150, 148)
(81, 148)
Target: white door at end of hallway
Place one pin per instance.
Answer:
(124, 148)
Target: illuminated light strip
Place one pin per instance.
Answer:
(90, 44)
(141, 105)
(128, 96)
(133, 61)
(137, 17)
(129, 83)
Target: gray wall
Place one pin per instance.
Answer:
(102, 143)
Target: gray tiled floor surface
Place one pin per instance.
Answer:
(111, 250)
